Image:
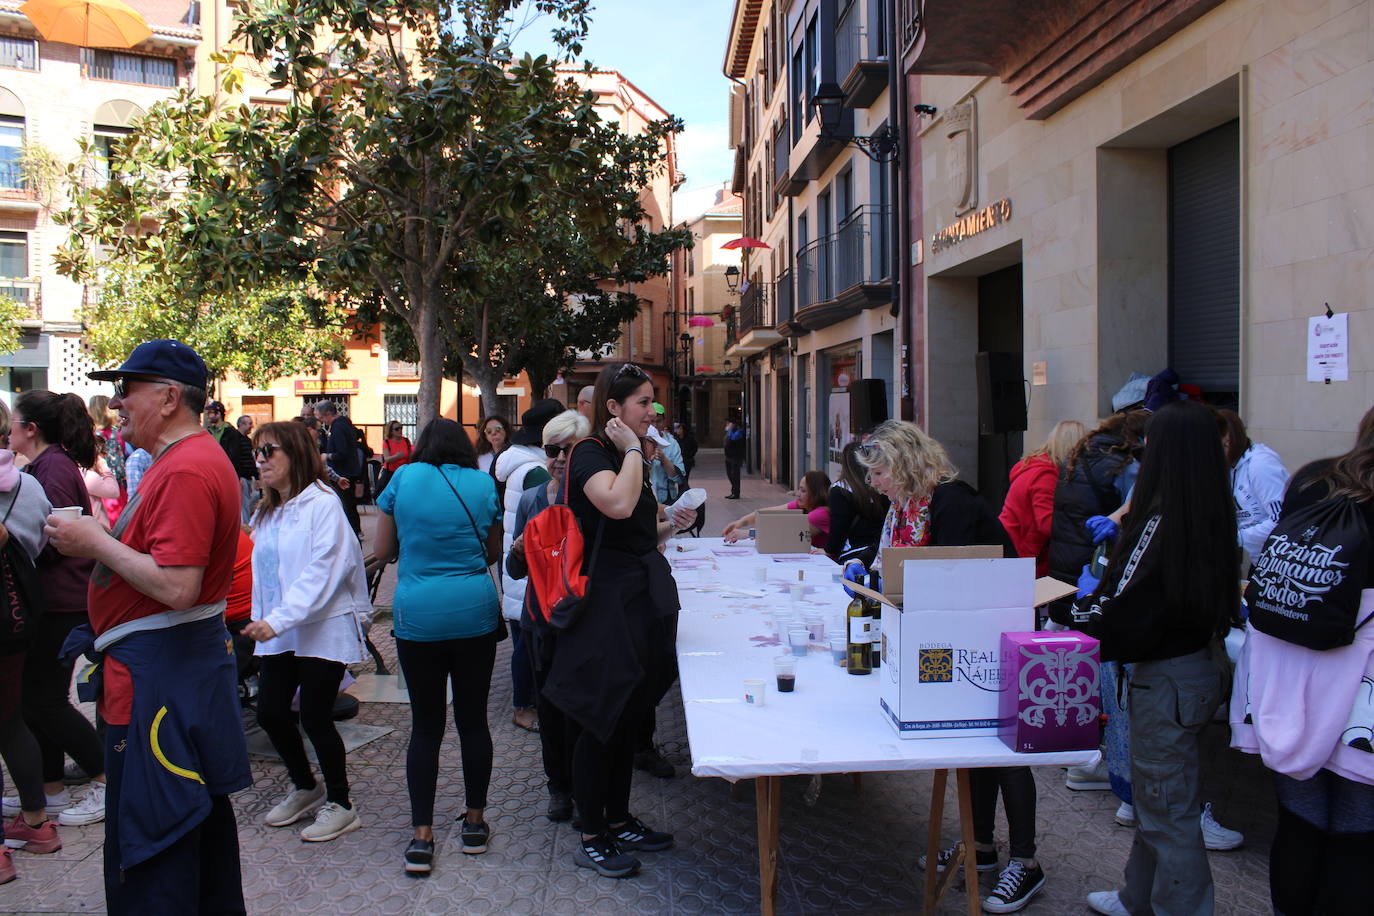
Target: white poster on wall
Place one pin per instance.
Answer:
(1328, 357)
(840, 430)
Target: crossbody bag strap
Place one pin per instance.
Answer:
(471, 521)
(14, 498)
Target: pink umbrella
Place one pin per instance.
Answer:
(700, 321)
(744, 242)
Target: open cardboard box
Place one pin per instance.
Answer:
(782, 531)
(1047, 589)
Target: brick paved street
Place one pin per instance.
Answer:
(850, 852)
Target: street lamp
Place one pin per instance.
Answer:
(732, 278)
(828, 102)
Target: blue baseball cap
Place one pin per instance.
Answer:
(169, 359)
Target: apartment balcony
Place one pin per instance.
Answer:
(399, 370)
(782, 151)
(860, 56)
(15, 194)
(812, 154)
(755, 323)
(25, 291)
(840, 275)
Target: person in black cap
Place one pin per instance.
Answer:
(237, 447)
(520, 467)
(343, 461)
(174, 745)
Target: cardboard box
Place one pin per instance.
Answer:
(941, 675)
(1052, 700)
(782, 531)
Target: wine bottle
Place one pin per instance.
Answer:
(874, 609)
(860, 638)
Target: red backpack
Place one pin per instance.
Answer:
(555, 551)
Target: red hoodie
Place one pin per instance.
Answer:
(1029, 507)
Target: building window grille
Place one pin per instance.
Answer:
(20, 53)
(131, 68)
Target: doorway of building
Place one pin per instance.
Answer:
(784, 431)
(1000, 331)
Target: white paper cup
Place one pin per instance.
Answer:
(761, 574)
(68, 513)
(755, 691)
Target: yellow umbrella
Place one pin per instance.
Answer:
(88, 23)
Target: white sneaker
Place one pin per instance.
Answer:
(1108, 903)
(1092, 778)
(90, 810)
(1216, 837)
(296, 805)
(55, 803)
(331, 821)
(1125, 815)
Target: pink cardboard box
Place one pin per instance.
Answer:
(1050, 692)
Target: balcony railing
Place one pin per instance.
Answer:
(909, 12)
(753, 307)
(782, 298)
(11, 175)
(856, 254)
(25, 292)
(849, 39)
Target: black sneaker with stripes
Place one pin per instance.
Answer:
(1017, 884)
(602, 853)
(634, 834)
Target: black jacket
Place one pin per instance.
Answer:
(1132, 618)
(959, 518)
(341, 448)
(240, 452)
(848, 529)
(734, 448)
(1085, 490)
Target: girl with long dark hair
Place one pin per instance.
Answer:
(613, 665)
(54, 432)
(1170, 594)
(856, 509)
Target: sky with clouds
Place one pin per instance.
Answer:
(673, 52)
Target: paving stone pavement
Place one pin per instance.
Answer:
(853, 851)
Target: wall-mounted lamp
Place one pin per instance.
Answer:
(732, 278)
(828, 101)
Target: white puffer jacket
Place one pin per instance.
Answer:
(511, 467)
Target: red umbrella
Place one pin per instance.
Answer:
(744, 242)
(700, 321)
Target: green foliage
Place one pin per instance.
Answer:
(415, 170)
(12, 311)
(261, 334)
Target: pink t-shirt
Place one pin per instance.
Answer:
(820, 520)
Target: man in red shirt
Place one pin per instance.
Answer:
(174, 743)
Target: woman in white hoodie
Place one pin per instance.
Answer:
(310, 605)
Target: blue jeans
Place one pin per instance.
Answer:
(521, 672)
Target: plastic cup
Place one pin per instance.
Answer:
(755, 691)
(752, 534)
(785, 667)
(799, 640)
(796, 591)
(761, 574)
(69, 513)
(815, 628)
(839, 650)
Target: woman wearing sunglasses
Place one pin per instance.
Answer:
(310, 605)
(559, 435)
(396, 451)
(441, 517)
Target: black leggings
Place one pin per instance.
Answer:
(467, 665)
(17, 745)
(557, 733)
(318, 679)
(1324, 840)
(1018, 798)
(58, 727)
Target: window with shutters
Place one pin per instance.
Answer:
(1204, 262)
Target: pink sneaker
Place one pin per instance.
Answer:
(7, 873)
(19, 835)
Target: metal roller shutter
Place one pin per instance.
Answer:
(1204, 260)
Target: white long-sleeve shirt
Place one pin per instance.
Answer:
(308, 579)
(1258, 481)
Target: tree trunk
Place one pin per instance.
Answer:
(431, 346)
(487, 380)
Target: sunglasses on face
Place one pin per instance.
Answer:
(553, 451)
(121, 385)
(265, 452)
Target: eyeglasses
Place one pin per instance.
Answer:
(265, 452)
(868, 450)
(553, 451)
(632, 370)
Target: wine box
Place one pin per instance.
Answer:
(1052, 697)
(941, 675)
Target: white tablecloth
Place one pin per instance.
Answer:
(832, 723)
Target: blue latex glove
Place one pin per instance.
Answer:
(1101, 528)
(1087, 582)
(854, 571)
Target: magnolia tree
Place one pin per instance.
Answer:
(414, 148)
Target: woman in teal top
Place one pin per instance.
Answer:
(441, 515)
